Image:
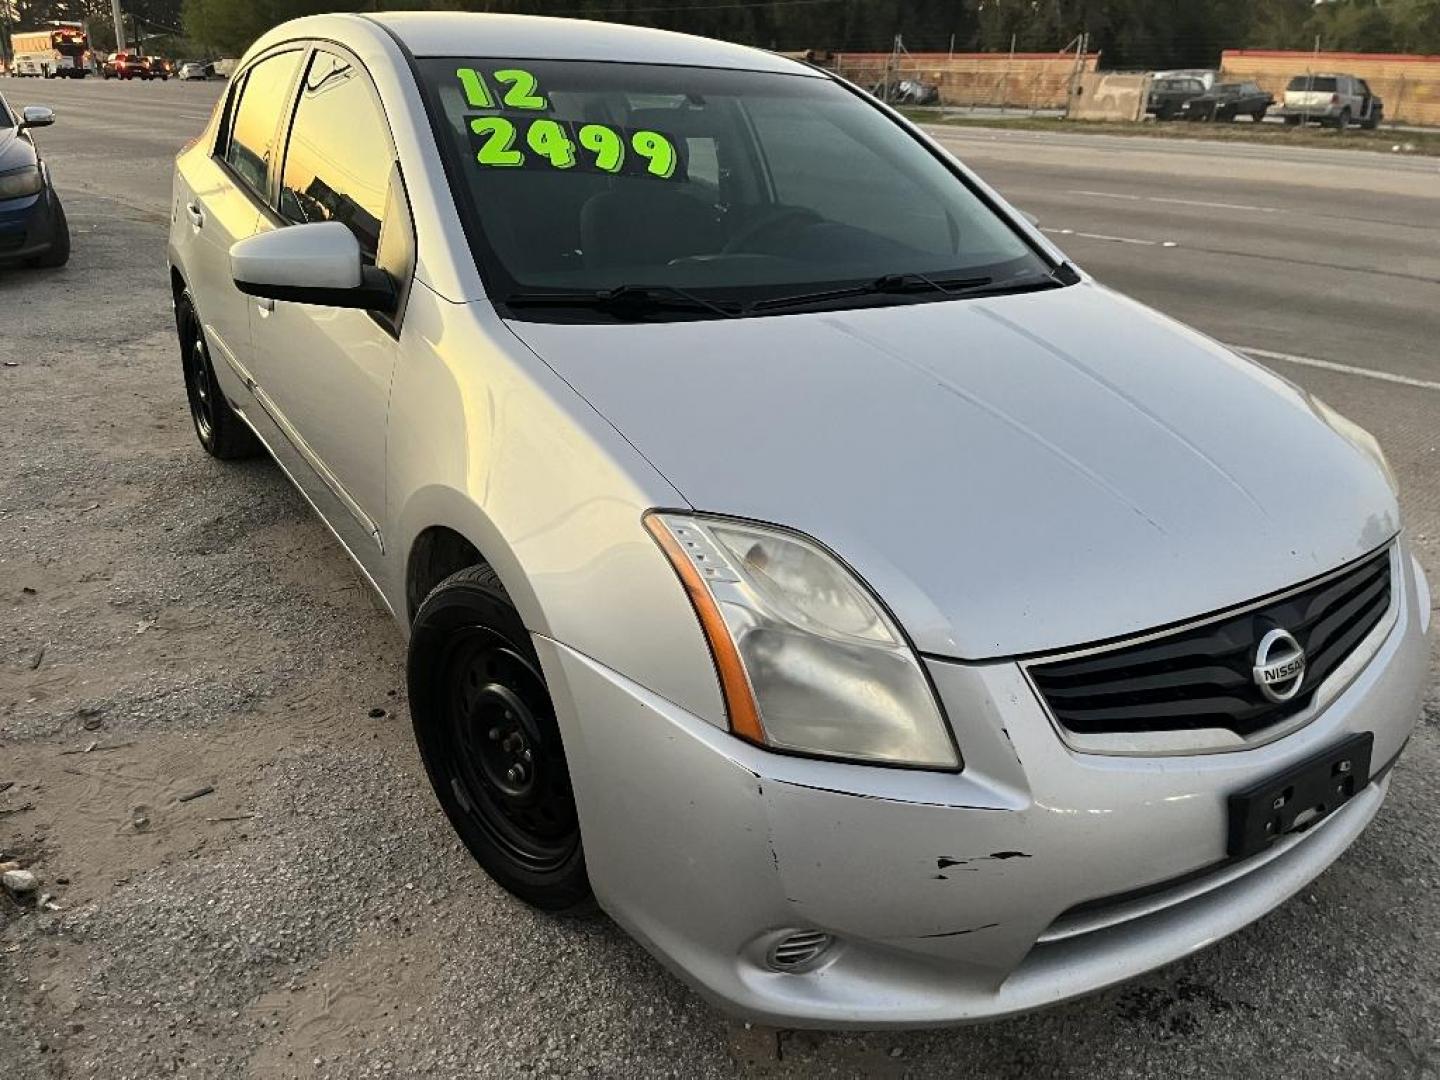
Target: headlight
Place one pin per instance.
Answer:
(1356, 436)
(20, 182)
(809, 661)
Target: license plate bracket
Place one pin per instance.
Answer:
(1300, 796)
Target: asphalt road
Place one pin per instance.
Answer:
(312, 916)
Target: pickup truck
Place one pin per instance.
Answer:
(1332, 101)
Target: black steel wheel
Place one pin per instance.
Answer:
(490, 741)
(220, 430)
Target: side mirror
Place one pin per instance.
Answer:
(1031, 218)
(318, 263)
(33, 116)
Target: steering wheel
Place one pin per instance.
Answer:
(790, 217)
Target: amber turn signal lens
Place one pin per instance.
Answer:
(739, 699)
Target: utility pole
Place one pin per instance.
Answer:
(119, 25)
(1310, 81)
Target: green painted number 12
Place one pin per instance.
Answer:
(521, 89)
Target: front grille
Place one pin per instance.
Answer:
(1201, 677)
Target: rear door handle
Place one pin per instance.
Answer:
(195, 214)
(265, 304)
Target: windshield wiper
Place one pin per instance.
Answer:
(625, 301)
(912, 282)
(886, 284)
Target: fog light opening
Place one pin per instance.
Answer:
(799, 950)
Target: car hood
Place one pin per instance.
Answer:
(1013, 474)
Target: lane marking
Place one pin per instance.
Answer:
(1216, 205)
(1105, 195)
(1111, 239)
(1344, 369)
(1178, 202)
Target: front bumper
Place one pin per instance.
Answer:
(26, 225)
(952, 898)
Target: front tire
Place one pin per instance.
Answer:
(58, 253)
(490, 742)
(218, 427)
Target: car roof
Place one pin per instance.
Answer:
(532, 37)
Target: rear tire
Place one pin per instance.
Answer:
(1292, 121)
(1343, 120)
(490, 742)
(218, 427)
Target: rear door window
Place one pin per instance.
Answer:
(255, 121)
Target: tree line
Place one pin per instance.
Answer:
(1129, 33)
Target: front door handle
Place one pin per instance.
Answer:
(195, 214)
(265, 304)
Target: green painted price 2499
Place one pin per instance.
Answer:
(508, 143)
(516, 140)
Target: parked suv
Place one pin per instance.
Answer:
(1332, 101)
(1168, 96)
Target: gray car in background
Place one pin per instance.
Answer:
(883, 621)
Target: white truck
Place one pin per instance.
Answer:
(55, 52)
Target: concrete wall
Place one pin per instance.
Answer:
(1109, 97)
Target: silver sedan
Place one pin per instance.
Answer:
(798, 555)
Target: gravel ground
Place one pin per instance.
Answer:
(193, 626)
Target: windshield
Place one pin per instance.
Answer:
(730, 185)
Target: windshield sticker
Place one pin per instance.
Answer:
(514, 142)
(510, 142)
(521, 92)
(495, 137)
(520, 89)
(477, 94)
